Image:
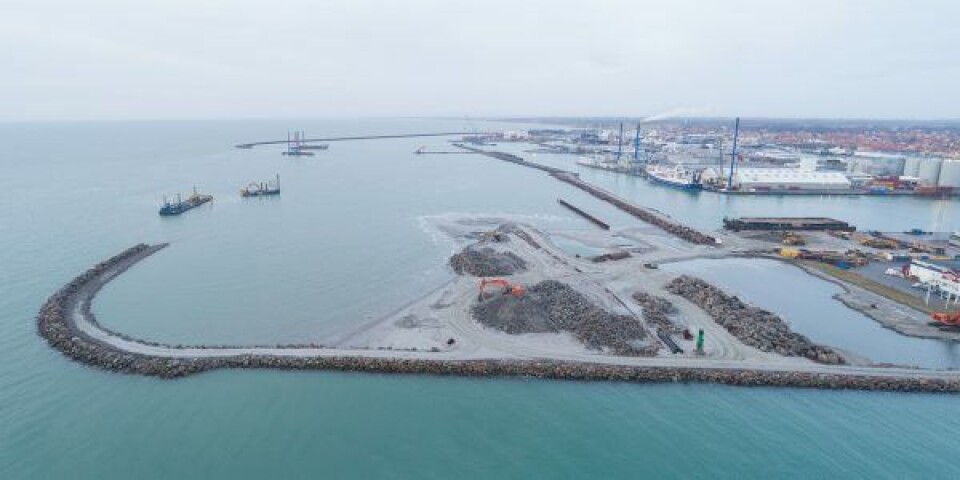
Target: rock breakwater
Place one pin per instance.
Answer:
(56, 324)
(753, 326)
(682, 231)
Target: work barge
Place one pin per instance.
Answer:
(787, 223)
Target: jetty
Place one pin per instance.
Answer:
(362, 137)
(594, 220)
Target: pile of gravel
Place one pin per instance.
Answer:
(751, 325)
(551, 306)
(486, 262)
(656, 311)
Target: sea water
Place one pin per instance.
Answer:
(349, 240)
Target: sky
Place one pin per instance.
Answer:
(197, 59)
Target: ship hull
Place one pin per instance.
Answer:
(679, 184)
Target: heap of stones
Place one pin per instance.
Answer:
(552, 306)
(751, 325)
(486, 262)
(656, 311)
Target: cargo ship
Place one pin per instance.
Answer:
(261, 189)
(610, 163)
(179, 206)
(676, 177)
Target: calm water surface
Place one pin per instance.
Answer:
(806, 303)
(349, 240)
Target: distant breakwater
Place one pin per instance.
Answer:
(678, 229)
(56, 324)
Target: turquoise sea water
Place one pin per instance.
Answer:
(349, 240)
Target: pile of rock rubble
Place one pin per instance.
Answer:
(486, 262)
(656, 311)
(751, 325)
(552, 306)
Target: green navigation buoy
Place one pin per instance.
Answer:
(700, 342)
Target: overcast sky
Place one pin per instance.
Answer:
(126, 59)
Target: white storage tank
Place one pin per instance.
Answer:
(911, 166)
(929, 171)
(950, 174)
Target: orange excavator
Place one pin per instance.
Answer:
(946, 319)
(508, 288)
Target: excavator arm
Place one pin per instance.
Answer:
(508, 288)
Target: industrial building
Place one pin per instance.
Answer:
(876, 163)
(933, 171)
(941, 276)
(778, 179)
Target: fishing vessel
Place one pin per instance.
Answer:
(179, 206)
(676, 177)
(261, 189)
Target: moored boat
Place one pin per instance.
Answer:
(261, 189)
(676, 177)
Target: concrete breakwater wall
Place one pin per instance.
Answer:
(56, 324)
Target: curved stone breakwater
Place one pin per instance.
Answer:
(751, 325)
(56, 324)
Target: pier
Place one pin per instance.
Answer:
(363, 137)
(509, 157)
(678, 229)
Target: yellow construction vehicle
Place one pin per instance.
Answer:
(792, 239)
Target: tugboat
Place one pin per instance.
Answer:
(179, 206)
(262, 189)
